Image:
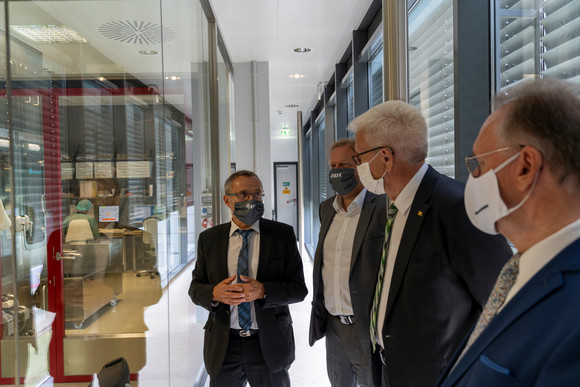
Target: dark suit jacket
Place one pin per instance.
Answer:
(444, 272)
(364, 265)
(535, 339)
(279, 269)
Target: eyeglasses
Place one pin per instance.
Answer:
(243, 195)
(356, 157)
(472, 161)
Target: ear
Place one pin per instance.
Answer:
(387, 157)
(226, 197)
(529, 164)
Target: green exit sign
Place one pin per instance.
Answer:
(284, 132)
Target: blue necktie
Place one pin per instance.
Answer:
(244, 317)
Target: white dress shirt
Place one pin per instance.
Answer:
(403, 204)
(540, 254)
(234, 247)
(337, 256)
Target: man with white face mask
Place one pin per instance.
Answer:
(437, 269)
(524, 183)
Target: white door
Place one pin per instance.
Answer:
(286, 199)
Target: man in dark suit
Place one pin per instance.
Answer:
(438, 269)
(246, 274)
(352, 231)
(524, 183)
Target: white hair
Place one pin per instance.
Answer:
(395, 124)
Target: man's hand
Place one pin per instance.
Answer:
(252, 289)
(228, 293)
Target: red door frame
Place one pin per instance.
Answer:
(52, 178)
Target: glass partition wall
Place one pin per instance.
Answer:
(103, 135)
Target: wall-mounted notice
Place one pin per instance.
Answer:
(133, 169)
(84, 169)
(104, 170)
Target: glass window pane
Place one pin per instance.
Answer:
(537, 39)
(376, 78)
(109, 126)
(431, 77)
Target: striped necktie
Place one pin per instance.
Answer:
(244, 317)
(375, 308)
(506, 279)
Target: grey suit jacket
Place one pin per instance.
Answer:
(366, 256)
(279, 270)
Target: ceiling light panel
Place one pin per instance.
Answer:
(43, 34)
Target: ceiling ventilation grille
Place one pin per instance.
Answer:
(136, 32)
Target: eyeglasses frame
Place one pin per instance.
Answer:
(356, 156)
(471, 157)
(257, 196)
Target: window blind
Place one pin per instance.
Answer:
(431, 77)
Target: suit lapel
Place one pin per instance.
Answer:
(363, 224)
(417, 214)
(546, 281)
(221, 249)
(265, 246)
(328, 213)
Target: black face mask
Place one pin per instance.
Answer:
(343, 180)
(248, 211)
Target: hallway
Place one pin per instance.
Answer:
(185, 324)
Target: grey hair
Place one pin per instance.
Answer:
(545, 113)
(235, 175)
(396, 124)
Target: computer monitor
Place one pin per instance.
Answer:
(142, 212)
(108, 213)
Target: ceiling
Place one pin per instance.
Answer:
(253, 30)
(269, 30)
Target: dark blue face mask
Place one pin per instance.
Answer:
(248, 211)
(343, 180)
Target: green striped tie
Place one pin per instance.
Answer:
(375, 309)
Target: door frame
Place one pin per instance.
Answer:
(287, 163)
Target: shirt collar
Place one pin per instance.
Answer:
(542, 252)
(234, 227)
(405, 198)
(354, 207)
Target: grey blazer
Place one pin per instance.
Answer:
(364, 265)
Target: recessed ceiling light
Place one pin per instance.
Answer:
(148, 52)
(173, 78)
(302, 50)
(296, 76)
(49, 33)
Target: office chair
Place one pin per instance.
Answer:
(149, 239)
(79, 231)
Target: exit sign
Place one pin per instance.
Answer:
(285, 132)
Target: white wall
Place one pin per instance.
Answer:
(251, 146)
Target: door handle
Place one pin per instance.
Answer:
(67, 256)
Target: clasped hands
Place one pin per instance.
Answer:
(229, 293)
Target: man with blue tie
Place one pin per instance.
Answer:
(247, 272)
(524, 183)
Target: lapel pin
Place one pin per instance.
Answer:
(420, 213)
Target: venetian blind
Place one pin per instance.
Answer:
(431, 77)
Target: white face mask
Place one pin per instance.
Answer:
(365, 176)
(483, 201)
